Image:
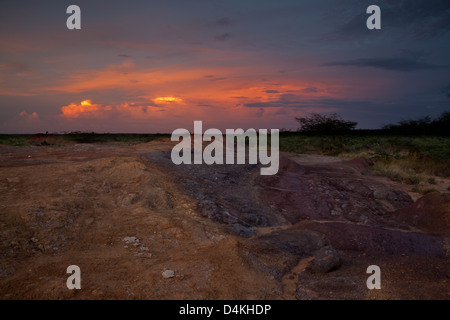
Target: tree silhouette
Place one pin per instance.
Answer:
(324, 124)
(424, 125)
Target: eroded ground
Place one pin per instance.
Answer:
(126, 214)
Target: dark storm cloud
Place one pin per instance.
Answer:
(395, 64)
(296, 101)
(355, 27)
(429, 18)
(217, 79)
(419, 18)
(263, 44)
(289, 93)
(214, 78)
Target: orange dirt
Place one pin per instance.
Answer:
(125, 214)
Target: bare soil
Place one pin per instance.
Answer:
(125, 214)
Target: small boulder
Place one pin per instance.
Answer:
(168, 274)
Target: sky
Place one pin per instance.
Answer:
(155, 66)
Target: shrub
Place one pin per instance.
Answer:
(325, 124)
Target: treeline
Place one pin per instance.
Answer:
(319, 124)
(422, 126)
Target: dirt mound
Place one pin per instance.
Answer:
(42, 139)
(85, 213)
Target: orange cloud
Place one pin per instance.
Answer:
(174, 97)
(88, 110)
(167, 100)
(84, 108)
(26, 115)
(24, 122)
(199, 86)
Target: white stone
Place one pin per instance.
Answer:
(168, 274)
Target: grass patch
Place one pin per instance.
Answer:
(415, 161)
(423, 189)
(14, 139)
(91, 137)
(396, 172)
(80, 137)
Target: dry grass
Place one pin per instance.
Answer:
(421, 162)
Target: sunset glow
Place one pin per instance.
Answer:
(167, 99)
(228, 64)
(85, 108)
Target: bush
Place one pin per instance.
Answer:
(325, 124)
(422, 126)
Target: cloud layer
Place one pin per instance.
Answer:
(153, 66)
